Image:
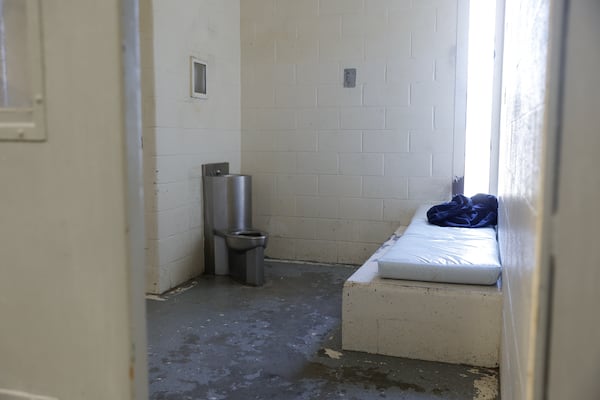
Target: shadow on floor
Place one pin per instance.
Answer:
(221, 340)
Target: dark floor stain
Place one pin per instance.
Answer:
(218, 339)
(192, 339)
(367, 377)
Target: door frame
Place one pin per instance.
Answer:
(132, 120)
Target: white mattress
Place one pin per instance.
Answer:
(427, 252)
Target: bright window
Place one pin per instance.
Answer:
(480, 83)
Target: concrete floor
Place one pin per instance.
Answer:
(221, 340)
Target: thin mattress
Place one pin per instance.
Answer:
(427, 252)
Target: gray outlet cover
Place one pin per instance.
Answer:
(349, 77)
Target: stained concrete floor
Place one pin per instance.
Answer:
(221, 340)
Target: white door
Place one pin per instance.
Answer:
(70, 244)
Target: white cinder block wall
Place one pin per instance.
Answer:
(181, 133)
(336, 170)
(520, 191)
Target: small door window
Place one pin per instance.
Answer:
(22, 111)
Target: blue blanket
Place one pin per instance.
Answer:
(478, 211)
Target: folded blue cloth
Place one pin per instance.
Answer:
(478, 211)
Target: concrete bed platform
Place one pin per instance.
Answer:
(459, 324)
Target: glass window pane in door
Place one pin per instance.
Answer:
(15, 85)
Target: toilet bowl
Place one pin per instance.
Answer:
(243, 240)
(245, 255)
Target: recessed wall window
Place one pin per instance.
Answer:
(198, 81)
(480, 97)
(22, 111)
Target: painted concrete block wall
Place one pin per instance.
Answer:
(336, 170)
(182, 133)
(64, 290)
(520, 174)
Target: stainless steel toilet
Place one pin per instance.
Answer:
(231, 245)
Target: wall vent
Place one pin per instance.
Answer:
(198, 78)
